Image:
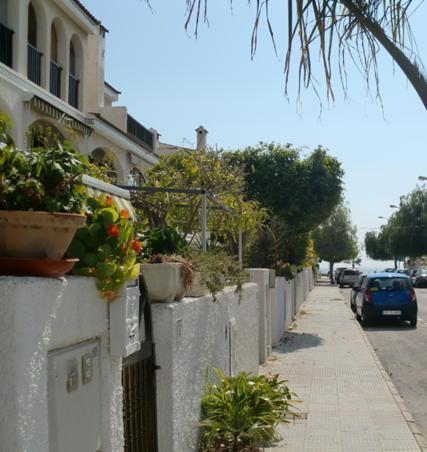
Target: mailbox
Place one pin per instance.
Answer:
(126, 330)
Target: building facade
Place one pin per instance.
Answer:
(52, 75)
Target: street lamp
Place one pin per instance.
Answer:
(393, 206)
(383, 218)
(422, 178)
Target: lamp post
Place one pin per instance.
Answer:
(422, 178)
(393, 206)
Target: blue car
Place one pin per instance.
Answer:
(386, 295)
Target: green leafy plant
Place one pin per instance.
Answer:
(164, 240)
(241, 413)
(218, 269)
(42, 179)
(107, 247)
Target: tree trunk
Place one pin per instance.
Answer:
(409, 68)
(331, 271)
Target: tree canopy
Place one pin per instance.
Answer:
(407, 227)
(300, 191)
(377, 245)
(335, 240)
(206, 170)
(348, 29)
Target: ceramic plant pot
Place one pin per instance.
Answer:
(37, 235)
(164, 281)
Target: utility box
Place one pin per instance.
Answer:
(126, 329)
(74, 401)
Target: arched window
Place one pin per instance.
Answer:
(32, 26)
(55, 69)
(72, 59)
(53, 44)
(43, 134)
(75, 73)
(105, 162)
(3, 12)
(34, 56)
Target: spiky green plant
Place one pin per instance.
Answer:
(241, 413)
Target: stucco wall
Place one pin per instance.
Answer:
(190, 337)
(39, 315)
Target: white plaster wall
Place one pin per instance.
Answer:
(278, 313)
(39, 315)
(260, 276)
(288, 303)
(190, 337)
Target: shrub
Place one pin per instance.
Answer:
(164, 240)
(241, 413)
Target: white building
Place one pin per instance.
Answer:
(52, 73)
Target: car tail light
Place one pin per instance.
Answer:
(412, 296)
(368, 296)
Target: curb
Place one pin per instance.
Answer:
(418, 435)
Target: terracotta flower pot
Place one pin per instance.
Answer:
(37, 235)
(164, 281)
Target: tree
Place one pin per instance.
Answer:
(299, 191)
(354, 29)
(197, 170)
(335, 240)
(407, 227)
(377, 245)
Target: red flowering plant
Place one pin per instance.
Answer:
(107, 248)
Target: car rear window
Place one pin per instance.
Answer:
(394, 283)
(351, 272)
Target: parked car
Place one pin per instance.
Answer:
(386, 295)
(415, 272)
(355, 290)
(404, 271)
(420, 278)
(338, 273)
(348, 278)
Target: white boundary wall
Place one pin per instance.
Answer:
(190, 337)
(39, 315)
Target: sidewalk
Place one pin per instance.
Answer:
(348, 400)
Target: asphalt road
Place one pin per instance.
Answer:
(403, 353)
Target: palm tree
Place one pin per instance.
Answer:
(348, 28)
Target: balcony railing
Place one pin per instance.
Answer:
(55, 79)
(73, 91)
(6, 36)
(34, 64)
(137, 130)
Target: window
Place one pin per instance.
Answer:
(53, 44)
(32, 26)
(393, 283)
(72, 60)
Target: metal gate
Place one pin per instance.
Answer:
(139, 390)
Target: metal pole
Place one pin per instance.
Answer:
(240, 248)
(204, 220)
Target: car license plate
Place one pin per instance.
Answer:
(392, 312)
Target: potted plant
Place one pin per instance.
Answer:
(42, 198)
(107, 248)
(167, 275)
(215, 269)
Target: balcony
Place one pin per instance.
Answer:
(138, 131)
(6, 36)
(34, 64)
(55, 79)
(73, 91)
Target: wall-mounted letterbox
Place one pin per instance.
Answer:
(126, 330)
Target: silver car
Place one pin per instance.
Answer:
(349, 278)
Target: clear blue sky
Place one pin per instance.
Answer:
(174, 83)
